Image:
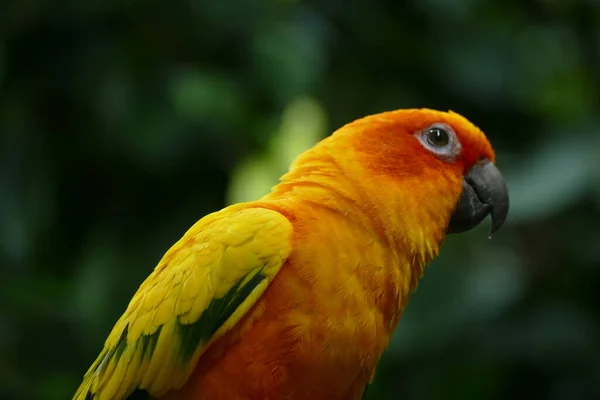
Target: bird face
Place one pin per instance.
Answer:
(439, 158)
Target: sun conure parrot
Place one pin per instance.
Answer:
(296, 295)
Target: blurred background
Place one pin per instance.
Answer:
(122, 123)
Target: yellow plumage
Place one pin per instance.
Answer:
(237, 248)
(296, 296)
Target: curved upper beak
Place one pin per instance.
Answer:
(484, 192)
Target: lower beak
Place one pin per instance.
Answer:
(484, 192)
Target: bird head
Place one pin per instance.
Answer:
(429, 168)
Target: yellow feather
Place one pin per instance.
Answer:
(105, 369)
(202, 299)
(243, 308)
(191, 287)
(165, 311)
(163, 347)
(126, 387)
(139, 325)
(215, 258)
(113, 381)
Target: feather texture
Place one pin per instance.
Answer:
(200, 289)
(295, 296)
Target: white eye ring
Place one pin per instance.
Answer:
(441, 140)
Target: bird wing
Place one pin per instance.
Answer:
(200, 289)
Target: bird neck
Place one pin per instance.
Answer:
(323, 178)
(320, 183)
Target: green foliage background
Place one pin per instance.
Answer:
(122, 123)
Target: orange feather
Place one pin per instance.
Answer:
(369, 206)
(297, 295)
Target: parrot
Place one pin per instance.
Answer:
(296, 295)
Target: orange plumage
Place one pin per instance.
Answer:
(368, 207)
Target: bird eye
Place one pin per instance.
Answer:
(437, 137)
(441, 140)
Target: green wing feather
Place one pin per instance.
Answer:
(200, 289)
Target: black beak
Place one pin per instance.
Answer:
(484, 192)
